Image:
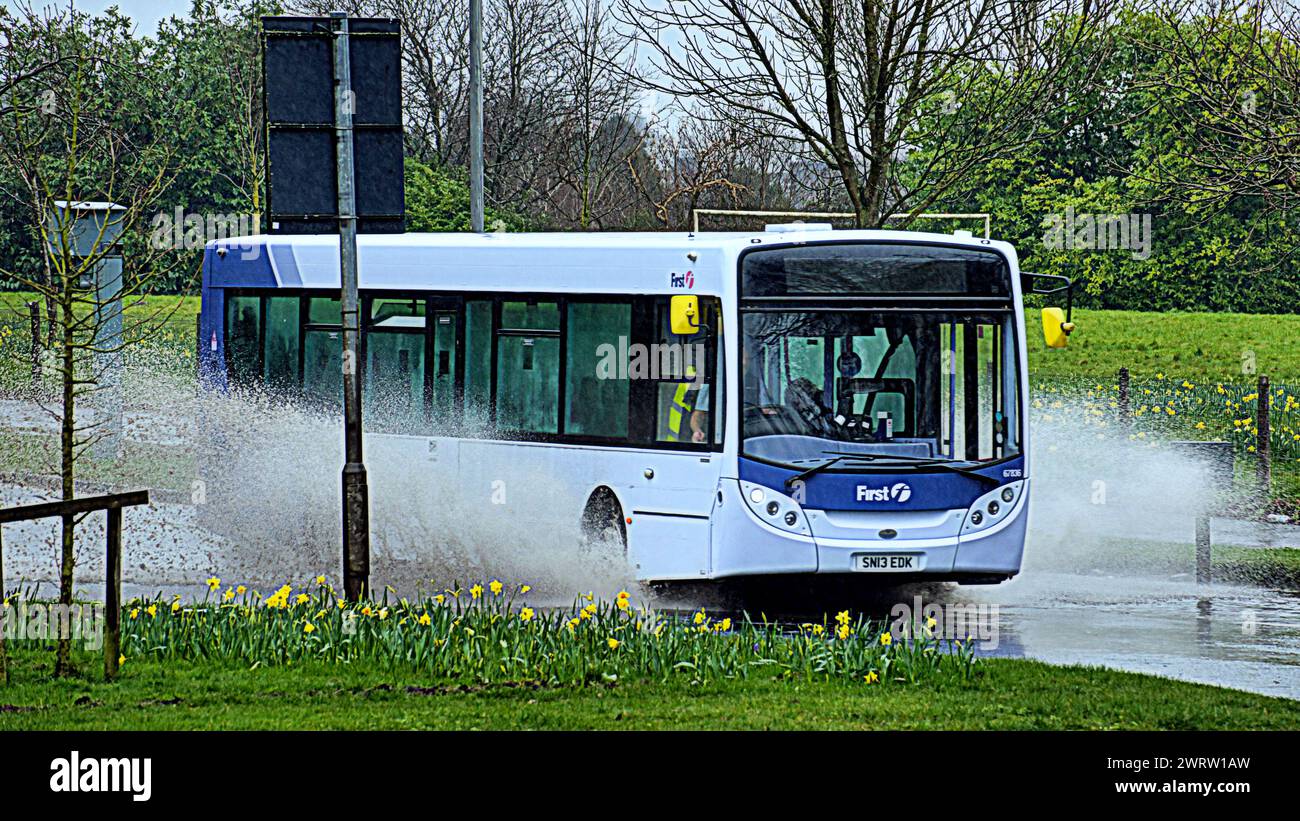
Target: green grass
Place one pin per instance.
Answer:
(1195, 346)
(1269, 566)
(143, 464)
(1006, 694)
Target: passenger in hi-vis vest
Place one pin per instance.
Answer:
(700, 415)
(681, 405)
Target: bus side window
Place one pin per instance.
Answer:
(528, 367)
(596, 392)
(680, 368)
(322, 378)
(243, 338)
(394, 374)
(478, 365)
(280, 351)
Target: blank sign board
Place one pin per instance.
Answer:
(298, 68)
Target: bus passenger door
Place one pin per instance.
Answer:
(445, 357)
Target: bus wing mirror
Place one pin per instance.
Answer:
(685, 314)
(1057, 324)
(1056, 328)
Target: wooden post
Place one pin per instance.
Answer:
(4, 659)
(1123, 396)
(113, 594)
(34, 310)
(1204, 573)
(1263, 465)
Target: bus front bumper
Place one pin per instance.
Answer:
(744, 544)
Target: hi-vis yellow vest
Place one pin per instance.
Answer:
(680, 408)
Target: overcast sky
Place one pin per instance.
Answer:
(145, 13)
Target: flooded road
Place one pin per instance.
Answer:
(1247, 638)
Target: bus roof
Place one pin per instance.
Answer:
(566, 260)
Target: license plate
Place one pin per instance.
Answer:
(887, 562)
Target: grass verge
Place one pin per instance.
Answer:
(1005, 694)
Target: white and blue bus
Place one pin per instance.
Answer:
(793, 401)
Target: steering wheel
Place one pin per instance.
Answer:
(772, 419)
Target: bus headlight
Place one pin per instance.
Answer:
(774, 508)
(987, 510)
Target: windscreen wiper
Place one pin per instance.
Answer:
(918, 461)
(866, 457)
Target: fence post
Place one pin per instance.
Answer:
(4, 658)
(1204, 573)
(1214, 460)
(113, 594)
(1263, 464)
(34, 311)
(1123, 396)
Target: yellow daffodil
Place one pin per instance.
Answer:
(871, 678)
(526, 614)
(476, 591)
(496, 587)
(309, 628)
(612, 642)
(886, 639)
(525, 588)
(214, 583)
(425, 621)
(320, 580)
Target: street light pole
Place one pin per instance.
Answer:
(356, 501)
(476, 115)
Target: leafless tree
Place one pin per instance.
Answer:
(861, 85)
(598, 125)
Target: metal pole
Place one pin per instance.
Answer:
(113, 594)
(1263, 467)
(476, 115)
(108, 339)
(356, 494)
(4, 614)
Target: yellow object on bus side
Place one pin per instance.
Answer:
(1056, 331)
(685, 314)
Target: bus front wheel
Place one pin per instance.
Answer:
(603, 528)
